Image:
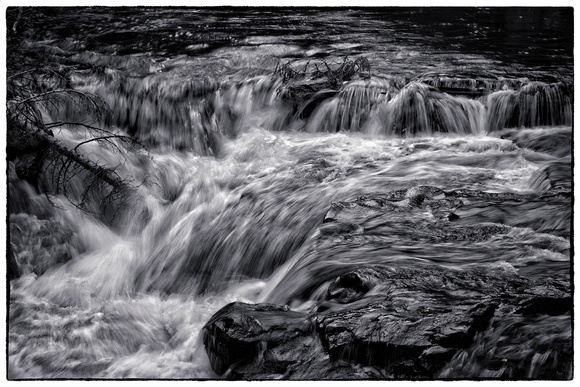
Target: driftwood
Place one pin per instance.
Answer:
(48, 163)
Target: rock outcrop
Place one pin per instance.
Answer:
(391, 319)
(411, 325)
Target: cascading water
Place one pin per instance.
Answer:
(240, 166)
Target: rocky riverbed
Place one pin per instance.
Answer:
(396, 317)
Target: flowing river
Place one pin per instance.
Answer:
(234, 181)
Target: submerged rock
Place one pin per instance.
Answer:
(555, 174)
(411, 326)
(392, 314)
(556, 142)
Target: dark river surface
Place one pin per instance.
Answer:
(238, 181)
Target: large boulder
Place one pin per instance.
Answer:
(411, 324)
(266, 341)
(413, 284)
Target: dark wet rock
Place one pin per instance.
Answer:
(451, 215)
(317, 170)
(552, 306)
(411, 324)
(401, 338)
(414, 345)
(353, 285)
(513, 210)
(522, 347)
(554, 141)
(555, 174)
(470, 226)
(242, 342)
(263, 341)
(305, 95)
(395, 314)
(518, 214)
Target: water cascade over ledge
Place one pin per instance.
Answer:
(317, 194)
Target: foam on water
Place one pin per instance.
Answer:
(131, 302)
(234, 183)
(158, 337)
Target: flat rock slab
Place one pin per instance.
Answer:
(424, 227)
(394, 314)
(410, 324)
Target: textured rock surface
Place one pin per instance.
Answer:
(425, 225)
(553, 141)
(411, 324)
(261, 341)
(395, 314)
(556, 174)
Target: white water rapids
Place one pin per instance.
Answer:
(231, 220)
(128, 299)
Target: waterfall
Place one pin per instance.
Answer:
(279, 157)
(197, 114)
(534, 104)
(351, 107)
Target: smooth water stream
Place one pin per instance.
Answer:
(233, 186)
